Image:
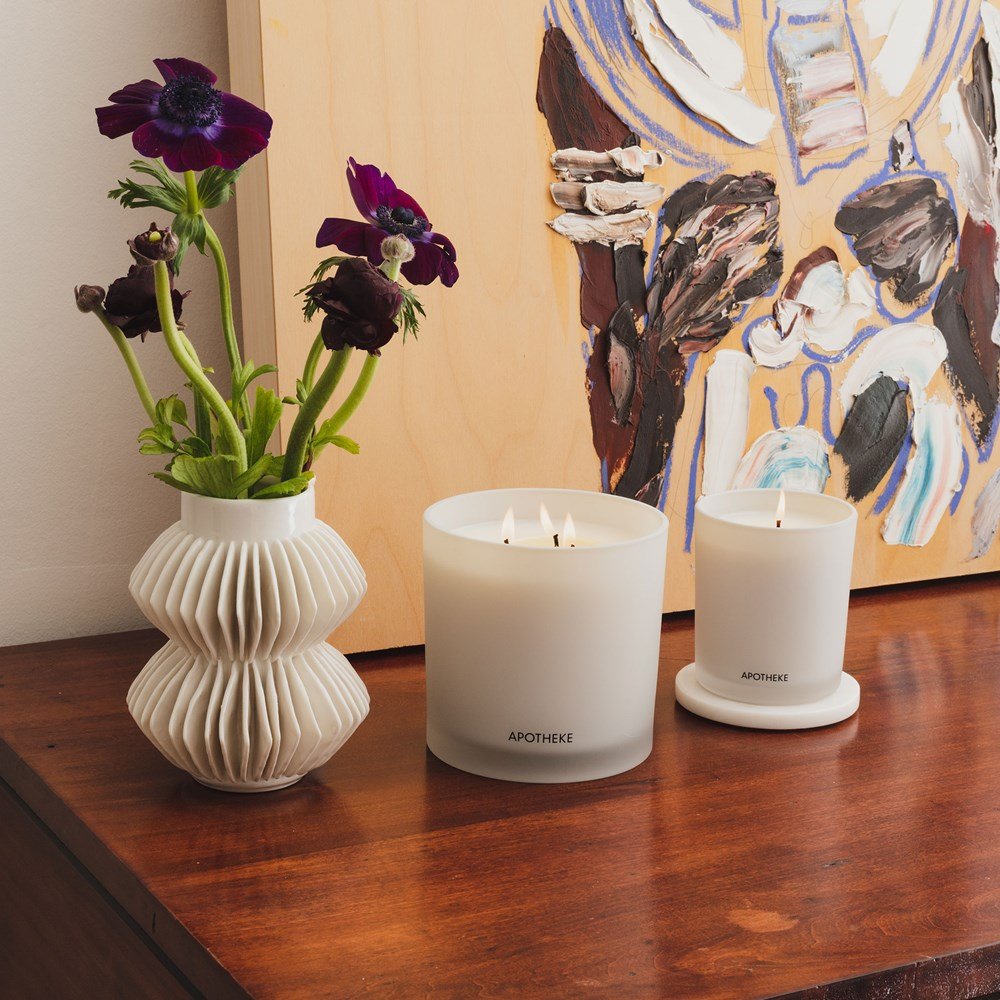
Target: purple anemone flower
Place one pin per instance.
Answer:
(392, 213)
(185, 119)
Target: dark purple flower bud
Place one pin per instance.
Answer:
(361, 306)
(131, 302)
(88, 297)
(186, 120)
(153, 245)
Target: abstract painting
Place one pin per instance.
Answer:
(815, 240)
(703, 244)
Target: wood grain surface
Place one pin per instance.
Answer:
(731, 864)
(494, 394)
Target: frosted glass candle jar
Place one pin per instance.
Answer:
(542, 661)
(771, 610)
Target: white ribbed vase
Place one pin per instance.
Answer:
(247, 695)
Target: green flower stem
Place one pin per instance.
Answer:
(191, 187)
(225, 289)
(228, 428)
(131, 362)
(309, 413)
(355, 396)
(315, 353)
(202, 413)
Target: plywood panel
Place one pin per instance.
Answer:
(494, 394)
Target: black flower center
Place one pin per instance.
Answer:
(401, 221)
(188, 101)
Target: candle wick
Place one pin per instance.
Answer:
(506, 541)
(778, 524)
(555, 540)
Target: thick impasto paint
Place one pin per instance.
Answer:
(890, 324)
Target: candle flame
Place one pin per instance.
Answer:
(548, 528)
(569, 531)
(508, 526)
(779, 514)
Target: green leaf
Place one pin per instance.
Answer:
(157, 440)
(309, 307)
(165, 477)
(276, 463)
(194, 446)
(266, 414)
(255, 473)
(410, 313)
(249, 374)
(289, 488)
(171, 410)
(190, 229)
(211, 476)
(216, 186)
(327, 435)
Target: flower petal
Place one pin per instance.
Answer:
(429, 263)
(141, 92)
(400, 199)
(344, 234)
(120, 119)
(235, 145)
(236, 111)
(369, 186)
(171, 68)
(444, 243)
(188, 150)
(151, 140)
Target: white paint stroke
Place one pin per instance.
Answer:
(971, 150)
(933, 476)
(879, 15)
(791, 458)
(605, 197)
(582, 164)
(903, 48)
(827, 308)
(612, 230)
(804, 8)
(770, 349)
(727, 418)
(986, 517)
(732, 109)
(719, 55)
(908, 351)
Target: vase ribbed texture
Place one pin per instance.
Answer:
(247, 694)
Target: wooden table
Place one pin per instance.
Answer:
(861, 860)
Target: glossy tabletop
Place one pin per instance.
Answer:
(731, 864)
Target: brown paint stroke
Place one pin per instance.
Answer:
(722, 253)
(963, 365)
(903, 230)
(579, 119)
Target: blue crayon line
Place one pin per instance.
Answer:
(962, 483)
(692, 497)
(896, 476)
(827, 394)
(771, 395)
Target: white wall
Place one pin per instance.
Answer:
(79, 506)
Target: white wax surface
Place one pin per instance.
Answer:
(792, 519)
(528, 534)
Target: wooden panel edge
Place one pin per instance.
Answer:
(253, 200)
